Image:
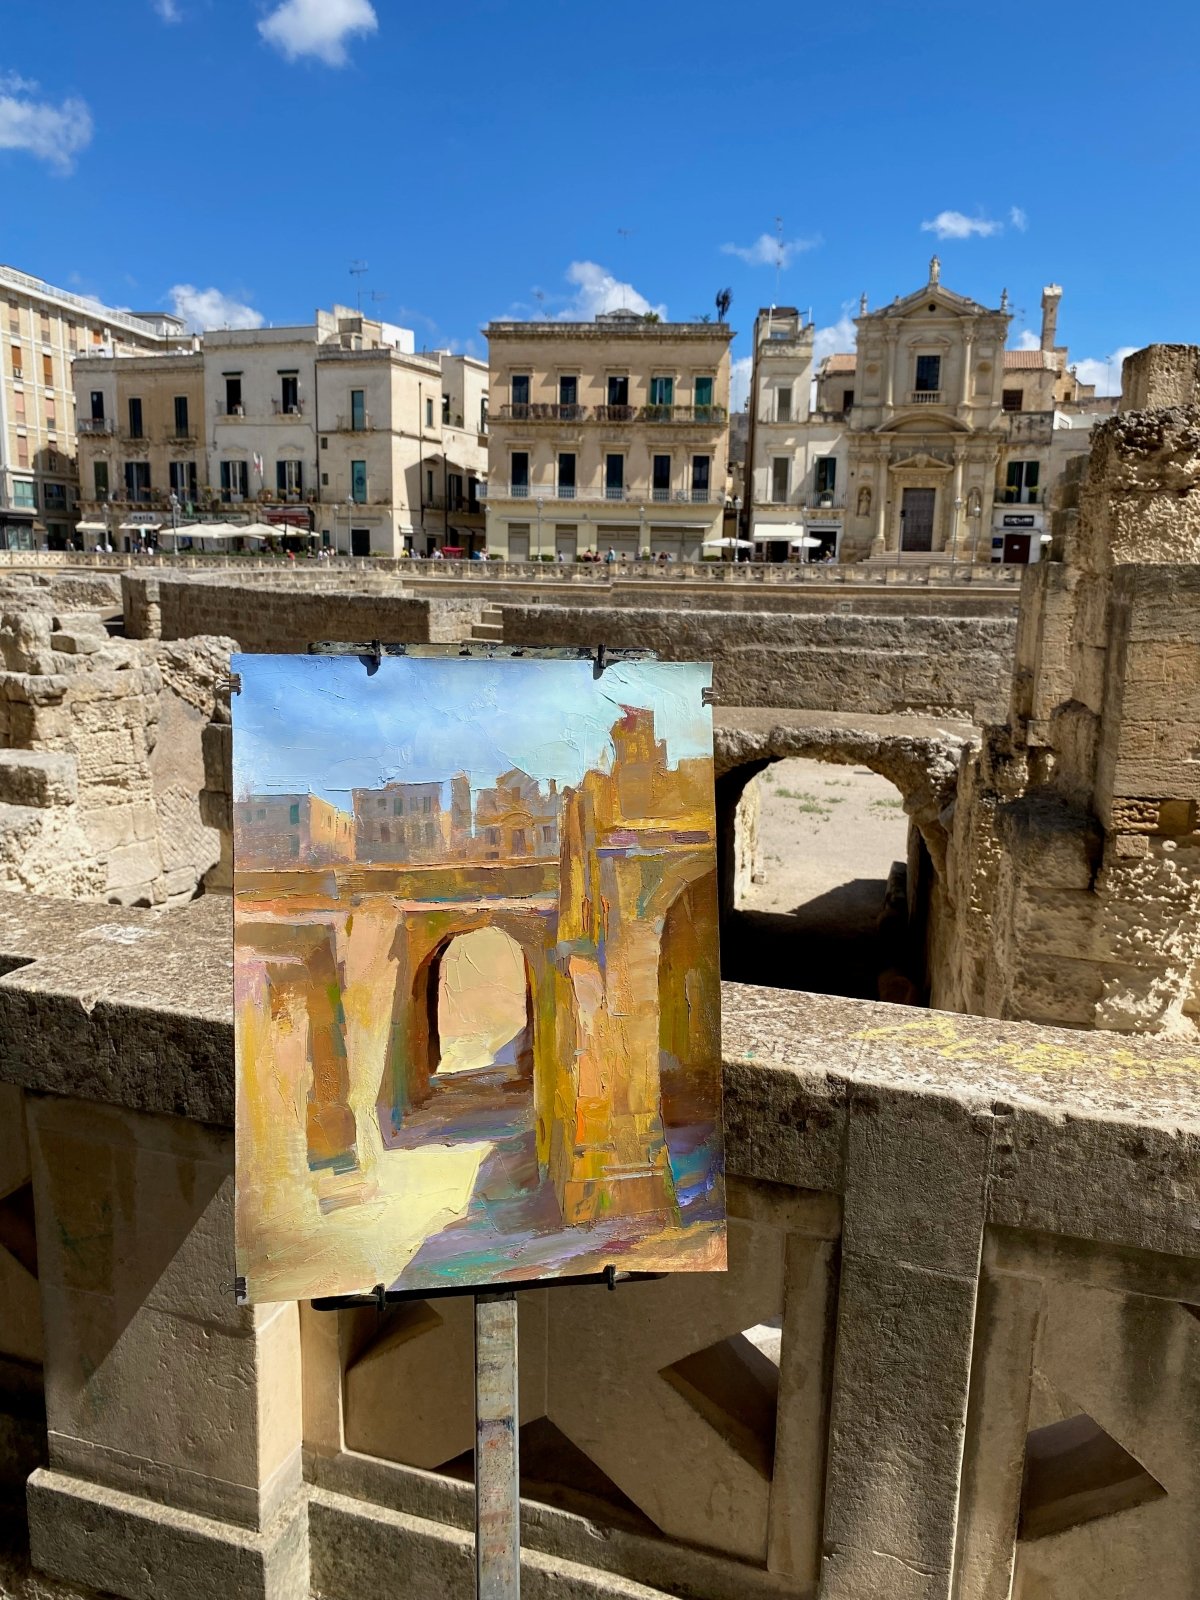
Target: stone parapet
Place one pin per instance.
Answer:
(953, 1242)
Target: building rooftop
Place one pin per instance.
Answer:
(1030, 361)
(839, 361)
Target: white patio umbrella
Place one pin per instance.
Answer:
(727, 543)
(807, 542)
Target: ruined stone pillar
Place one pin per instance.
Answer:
(174, 1417)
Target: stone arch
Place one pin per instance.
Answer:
(920, 757)
(427, 996)
(422, 937)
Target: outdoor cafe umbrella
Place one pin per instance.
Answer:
(727, 543)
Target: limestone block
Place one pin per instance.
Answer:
(37, 778)
(1053, 922)
(916, 1180)
(47, 852)
(1051, 842)
(1006, 1327)
(216, 810)
(1160, 375)
(75, 642)
(132, 866)
(133, 1547)
(135, 1217)
(369, 1552)
(1054, 990)
(899, 1409)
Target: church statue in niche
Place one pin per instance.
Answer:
(864, 501)
(974, 503)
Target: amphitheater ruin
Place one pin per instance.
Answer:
(956, 1354)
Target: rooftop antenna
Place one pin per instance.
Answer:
(724, 301)
(778, 254)
(624, 233)
(357, 268)
(540, 296)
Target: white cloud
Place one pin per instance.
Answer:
(955, 225)
(209, 308)
(840, 335)
(55, 134)
(1105, 374)
(1028, 340)
(168, 10)
(317, 28)
(596, 290)
(739, 382)
(1018, 218)
(767, 250)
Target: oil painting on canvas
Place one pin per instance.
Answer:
(477, 998)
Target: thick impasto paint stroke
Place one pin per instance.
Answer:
(477, 977)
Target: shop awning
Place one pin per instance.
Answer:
(779, 533)
(137, 524)
(91, 527)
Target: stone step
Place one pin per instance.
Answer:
(488, 632)
(38, 778)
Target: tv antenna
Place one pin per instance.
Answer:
(778, 254)
(357, 268)
(540, 296)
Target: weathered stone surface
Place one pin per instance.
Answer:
(820, 662)
(37, 778)
(82, 1531)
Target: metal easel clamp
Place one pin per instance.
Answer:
(229, 683)
(599, 664)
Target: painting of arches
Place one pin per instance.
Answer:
(476, 971)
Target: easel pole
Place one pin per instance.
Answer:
(497, 1480)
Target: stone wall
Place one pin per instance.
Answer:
(290, 616)
(962, 1282)
(1074, 866)
(100, 758)
(933, 665)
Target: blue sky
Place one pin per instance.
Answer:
(517, 157)
(321, 724)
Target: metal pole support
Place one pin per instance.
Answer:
(497, 1480)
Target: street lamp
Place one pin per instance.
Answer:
(737, 522)
(540, 503)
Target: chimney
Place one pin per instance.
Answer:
(1051, 295)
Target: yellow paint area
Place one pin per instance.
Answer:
(937, 1032)
(482, 1002)
(417, 1193)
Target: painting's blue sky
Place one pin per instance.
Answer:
(322, 724)
(232, 158)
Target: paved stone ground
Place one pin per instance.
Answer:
(829, 837)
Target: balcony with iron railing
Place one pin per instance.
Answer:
(95, 426)
(224, 409)
(652, 414)
(355, 422)
(544, 494)
(295, 409)
(1009, 495)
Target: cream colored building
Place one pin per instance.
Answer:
(604, 435)
(403, 450)
(932, 441)
(142, 437)
(335, 429)
(44, 330)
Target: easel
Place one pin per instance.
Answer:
(497, 1410)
